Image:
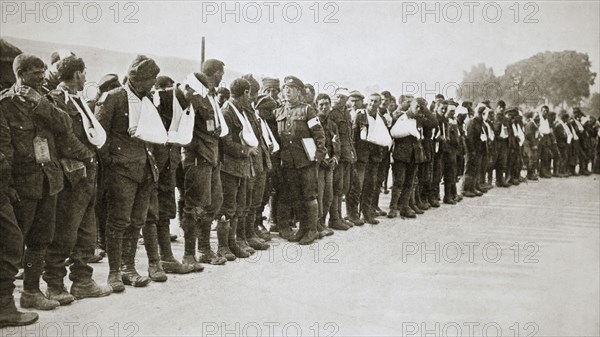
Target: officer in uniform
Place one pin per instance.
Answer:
(302, 149)
(75, 235)
(32, 143)
(131, 173)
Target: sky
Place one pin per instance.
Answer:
(357, 44)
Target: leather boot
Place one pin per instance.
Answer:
(260, 229)
(88, 289)
(155, 271)
(167, 261)
(207, 255)
(454, 193)
(335, 220)
(60, 294)
(190, 226)
(353, 216)
(412, 203)
(419, 201)
(10, 316)
(32, 297)
(345, 221)
(468, 186)
(223, 229)
(240, 236)
(448, 198)
(114, 251)
(251, 237)
(232, 242)
(310, 218)
(129, 274)
(407, 212)
(323, 229)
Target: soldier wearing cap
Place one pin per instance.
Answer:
(131, 172)
(475, 141)
(343, 171)
(203, 195)
(302, 149)
(32, 143)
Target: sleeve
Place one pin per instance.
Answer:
(6, 151)
(335, 141)
(104, 114)
(230, 147)
(316, 130)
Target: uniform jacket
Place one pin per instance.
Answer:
(292, 126)
(332, 139)
(262, 161)
(531, 135)
(20, 123)
(341, 117)
(123, 154)
(205, 143)
(473, 140)
(168, 156)
(409, 149)
(236, 155)
(365, 151)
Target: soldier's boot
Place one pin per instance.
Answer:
(232, 240)
(412, 203)
(207, 255)
(335, 220)
(155, 271)
(223, 229)
(129, 274)
(490, 179)
(433, 199)
(419, 200)
(345, 221)
(468, 186)
(310, 217)
(375, 205)
(259, 228)
(454, 192)
(191, 231)
(167, 261)
(240, 236)
(323, 229)
(252, 237)
(89, 288)
(32, 297)
(369, 217)
(58, 292)
(448, 197)
(407, 212)
(10, 316)
(114, 251)
(353, 215)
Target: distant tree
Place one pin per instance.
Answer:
(551, 77)
(480, 83)
(594, 105)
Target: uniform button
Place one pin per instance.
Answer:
(118, 148)
(42, 164)
(20, 127)
(126, 114)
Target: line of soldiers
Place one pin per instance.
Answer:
(70, 167)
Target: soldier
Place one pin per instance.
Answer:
(475, 142)
(75, 235)
(202, 168)
(564, 138)
(331, 160)
(223, 95)
(369, 156)
(532, 141)
(438, 139)
(260, 166)
(237, 168)
(51, 79)
(501, 135)
(450, 148)
(302, 149)
(408, 154)
(33, 131)
(162, 206)
(584, 141)
(11, 241)
(131, 171)
(342, 173)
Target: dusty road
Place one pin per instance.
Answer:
(522, 261)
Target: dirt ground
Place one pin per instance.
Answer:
(522, 261)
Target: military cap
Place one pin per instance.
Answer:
(356, 93)
(511, 111)
(342, 91)
(142, 68)
(107, 81)
(293, 81)
(270, 83)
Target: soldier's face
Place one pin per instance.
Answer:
(385, 102)
(143, 87)
(80, 77)
(291, 94)
(374, 103)
(392, 106)
(272, 92)
(356, 103)
(33, 77)
(340, 100)
(324, 106)
(309, 95)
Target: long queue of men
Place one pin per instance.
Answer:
(71, 169)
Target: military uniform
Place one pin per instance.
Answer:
(476, 143)
(295, 122)
(325, 187)
(531, 147)
(32, 134)
(131, 174)
(343, 171)
(75, 235)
